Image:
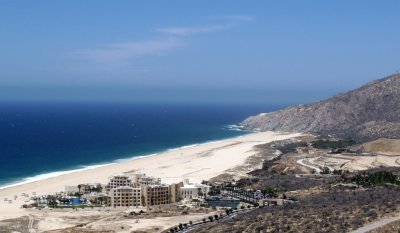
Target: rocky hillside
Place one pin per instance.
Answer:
(369, 112)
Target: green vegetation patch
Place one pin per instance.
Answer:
(327, 144)
(291, 147)
(376, 179)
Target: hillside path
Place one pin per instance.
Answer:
(376, 224)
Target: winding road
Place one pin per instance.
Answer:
(313, 165)
(301, 162)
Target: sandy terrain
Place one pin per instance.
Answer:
(383, 146)
(150, 225)
(197, 163)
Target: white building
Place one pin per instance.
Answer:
(143, 180)
(190, 191)
(119, 181)
(96, 198)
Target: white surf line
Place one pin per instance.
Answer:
(300, 161)
(49, 175)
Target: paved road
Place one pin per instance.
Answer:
(312, 161)
(300, 161)
(30, 224)
(231, 216)
(376, 224)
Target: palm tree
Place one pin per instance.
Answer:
(99, 188)
(52, 203)
(227, 211)
(79, 187)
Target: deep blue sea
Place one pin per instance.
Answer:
(39, 140)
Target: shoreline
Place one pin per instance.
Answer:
(196, 162)
(79, 168)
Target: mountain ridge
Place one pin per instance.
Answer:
(369, 112)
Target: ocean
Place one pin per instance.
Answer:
(41, 140)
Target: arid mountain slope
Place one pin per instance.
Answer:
(382, 146)
(369, 112)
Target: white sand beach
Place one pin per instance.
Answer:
(197, 163)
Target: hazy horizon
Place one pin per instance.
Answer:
(190, 52)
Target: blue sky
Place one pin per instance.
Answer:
(194, 51)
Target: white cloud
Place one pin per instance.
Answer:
(130, 50)
(119, 54)
(186, 31)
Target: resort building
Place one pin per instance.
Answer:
(88, 188)
(190, 191)
(155, 195)
(142, 180)
(96, 198)
(174, 191)
(203, 189)
(119, 181)
(124, 196)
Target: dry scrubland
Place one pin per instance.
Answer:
(324, 206)
(391, 227)
(75, 230)
(156, 219)
(328, 211)
(14, 225)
